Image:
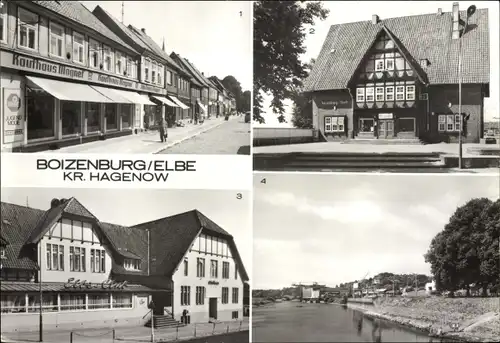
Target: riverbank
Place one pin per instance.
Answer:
(463, 319)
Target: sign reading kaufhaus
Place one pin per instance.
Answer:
(44, 66)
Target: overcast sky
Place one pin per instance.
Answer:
(346, 12)
(134, 206)
(335, 228)
(211, 34)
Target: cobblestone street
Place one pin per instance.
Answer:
(232, 137)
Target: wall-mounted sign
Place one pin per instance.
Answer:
(333, 100)
(334, 103)
(44, 66)
(385, 116)
(107, 284)
(13, 116)
(213, 282)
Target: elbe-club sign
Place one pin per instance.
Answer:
(107, 284)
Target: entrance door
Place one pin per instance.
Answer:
(212, 308)
(386, 129)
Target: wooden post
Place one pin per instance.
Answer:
(176, 333)
(227, 328)
(71, 337)
(114, 335)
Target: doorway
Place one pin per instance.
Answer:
(386, 129)
(212, 308)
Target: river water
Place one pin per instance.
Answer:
(296, 322)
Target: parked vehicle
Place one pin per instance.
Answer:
(247, 117)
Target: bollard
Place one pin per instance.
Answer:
(240, 325)
(71, 337)
(227, 329)
(176, 333)
(114, 335)
(194, 329)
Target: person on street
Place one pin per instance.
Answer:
(163, 130)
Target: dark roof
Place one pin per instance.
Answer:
(195, 73)
(77, 12)
(427, 36)
(17, 224)
(101, 13)
(218, 83)
(187, 69)
(171, 238)
(153, 46)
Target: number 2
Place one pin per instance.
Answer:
(311, 31)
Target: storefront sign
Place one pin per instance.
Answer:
(44, 66)
(13, 116)
(213, 282)
(385, 116)
(108, 284)
(334, 103)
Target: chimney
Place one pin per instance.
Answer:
(456, 21)
(54, 203)
(143, 30)
(375, 19)
(440, 11)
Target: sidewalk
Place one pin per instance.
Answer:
(145, 142)
(129, 334)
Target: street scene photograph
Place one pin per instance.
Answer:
(128, 265)
(381, 258)
(412, 87)
(138, 77)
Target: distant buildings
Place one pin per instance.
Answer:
(72, 76)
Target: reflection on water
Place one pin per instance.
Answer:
(287, 322)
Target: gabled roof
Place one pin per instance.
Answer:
(102, 14)
(196, 73)
(153, 46)
(193, 76)
(427, 36)
(77, 12)
(171, 238)
(218, 82)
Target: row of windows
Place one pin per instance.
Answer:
(200, 295)
(54, 302)
(77, 259)
(334, 124)
(153, 72)
(214, 268)
(387, 93)
(449, 123)
(74, 230)
(212, 245)
(132, 264)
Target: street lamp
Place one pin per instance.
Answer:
(470, 11)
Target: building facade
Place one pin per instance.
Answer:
(400, 79)
(65, 80)
(186, 265)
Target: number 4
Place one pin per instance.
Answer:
(263, 181)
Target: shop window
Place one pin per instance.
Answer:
(56, 40)
(200, 295)
(55, 257)
(379, 93)
(98, 301)
(72, 302)
(400, 93)
(126, 110)
(334, 124)
(360, 94)
(94, 49)
(370, 94)
(410, 92)
(213, 268)
(40, 113)
(97, 261)
(406, 125)
(366, 125)
(49, 302)
(13, 303)
(93, 117)
(235, 295)
(108, 58)
(225, 295)
(185, 295)
(71, 114)
(27, 29)
(77, 259)
(389, 93)
(111, 117)
(200, 267)
(3, 21)
(122, 300)
(78, 48)
(225, 270)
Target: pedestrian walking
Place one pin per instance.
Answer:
(163, 130)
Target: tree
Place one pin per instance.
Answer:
(467, 242)
(234, 87)
(302, 104)
(245, 101)
(279, 33)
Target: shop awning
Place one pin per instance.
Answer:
(178, 102)
(165, 101)
(69, 91)
(60, 287)
(113, 95)
(134, 97)
(203, 107)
